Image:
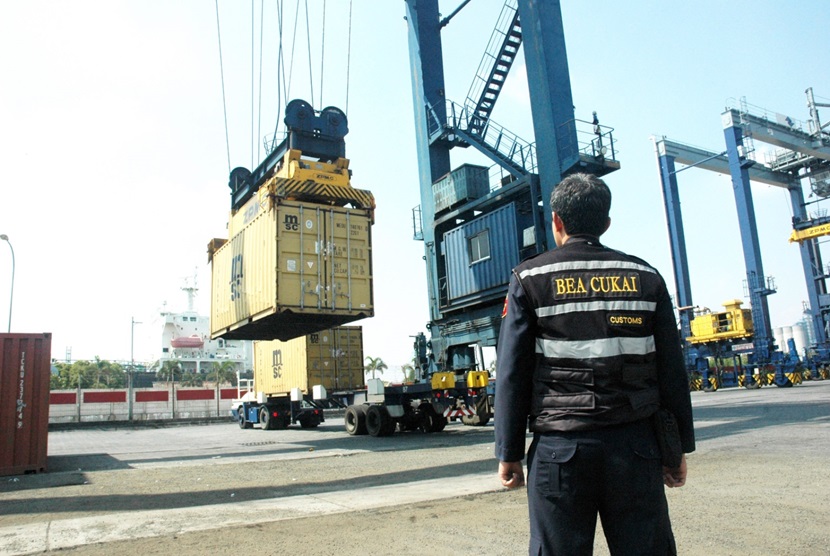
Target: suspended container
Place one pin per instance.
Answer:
(25, 362)
(296, 268)
(332, 358)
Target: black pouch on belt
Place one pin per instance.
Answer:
(668, 438)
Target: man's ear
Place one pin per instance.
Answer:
(558, 225)
(607, 225)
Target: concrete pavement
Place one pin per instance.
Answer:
(68, 533)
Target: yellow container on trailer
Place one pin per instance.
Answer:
(332, 358)
(293, 269)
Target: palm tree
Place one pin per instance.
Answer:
(374, 364)
(222, 372)
(191, 379)
(408, 372)
(411, 371)
(170, 372)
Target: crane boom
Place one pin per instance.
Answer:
(810, 233)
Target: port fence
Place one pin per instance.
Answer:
(145, 404)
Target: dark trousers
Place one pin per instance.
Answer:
(612, 472)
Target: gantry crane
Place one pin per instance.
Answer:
(473, 235)
(804, 154)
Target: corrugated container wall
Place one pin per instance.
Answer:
(294, 269)
(333, 358)
(24, 402)
(471, 270)
(468, 181)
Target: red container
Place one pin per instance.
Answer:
(24, 402)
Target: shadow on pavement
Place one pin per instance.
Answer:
(110, 503)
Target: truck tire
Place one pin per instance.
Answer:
(378, 421)
(438, 422)
(243, 423)
(475, 420)
(431, 421)
(483, 410)
(265, 420)
(356, 420)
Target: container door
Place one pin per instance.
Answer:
(301, 276)
(349, 273)
(321, 361)
(349, 357)
(325, 259)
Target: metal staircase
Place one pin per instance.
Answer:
(498, 58)
(581, 145)
(498, 144)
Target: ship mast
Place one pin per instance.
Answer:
(191, 292)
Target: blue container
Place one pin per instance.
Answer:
(480, 254)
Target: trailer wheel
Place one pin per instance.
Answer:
(265, 420)
(431, 421)
(483, 409)
(378, 421)
(475, 420)
(783, 382)
(438, 422)
(409, 422)
(243, 424)
(356, 419)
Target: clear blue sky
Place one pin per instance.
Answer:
(114, 164)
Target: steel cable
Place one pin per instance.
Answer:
(222, 74)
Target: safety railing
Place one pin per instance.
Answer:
(576, 138)
(503, 143)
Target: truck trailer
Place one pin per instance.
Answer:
(295, 380)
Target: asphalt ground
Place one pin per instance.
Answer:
(758, 484)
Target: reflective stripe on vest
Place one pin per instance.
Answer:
(592, 349)
(586, 306)
(585, 265)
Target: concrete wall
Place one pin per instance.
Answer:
(173, 402)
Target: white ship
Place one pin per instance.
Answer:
(185, 339)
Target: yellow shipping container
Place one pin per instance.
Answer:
(333, 358)
(293, 269)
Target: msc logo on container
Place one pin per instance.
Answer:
(236, 277)
(251, 212)
(276, 363)
(291, 223)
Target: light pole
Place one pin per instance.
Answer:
(133, 322)
(5, 238)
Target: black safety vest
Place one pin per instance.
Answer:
(595, 350)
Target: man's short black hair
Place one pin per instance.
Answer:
(583, 202)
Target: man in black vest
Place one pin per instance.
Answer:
(588, 351)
